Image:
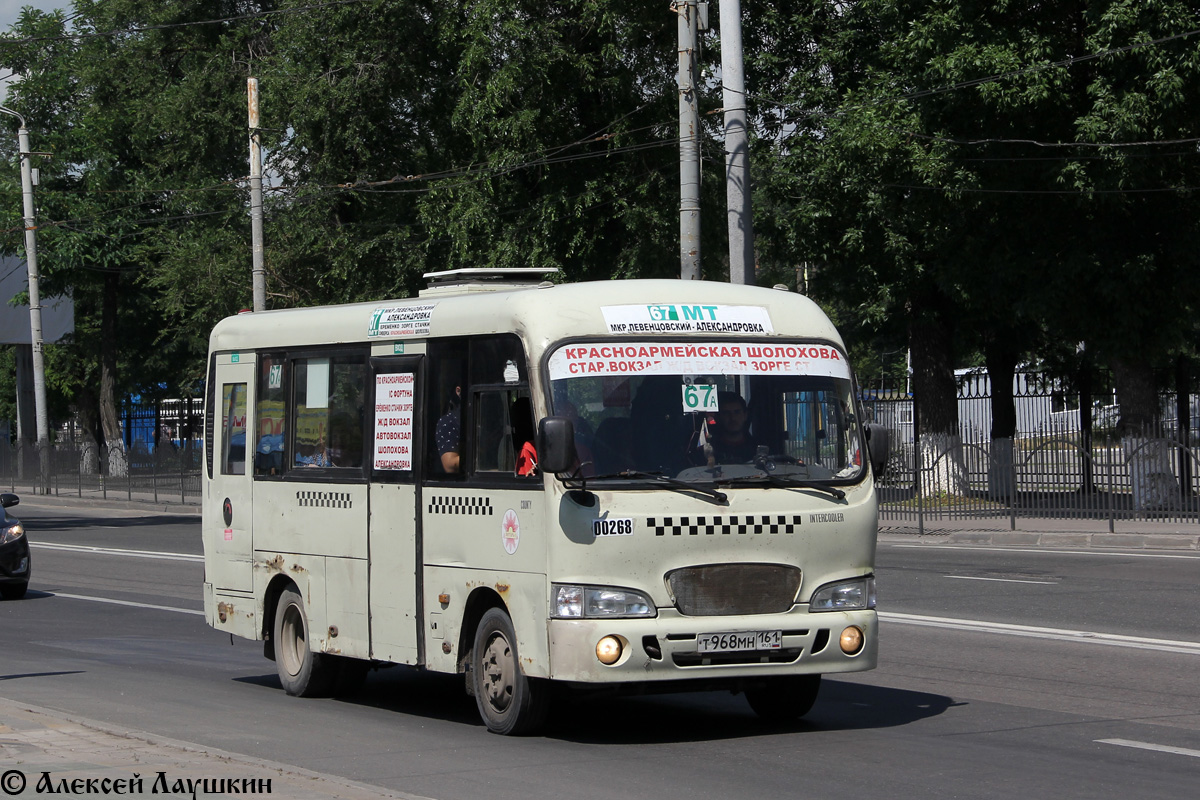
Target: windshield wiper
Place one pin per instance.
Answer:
(785, 482)
(658, 477)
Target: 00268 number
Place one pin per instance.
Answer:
(612, 527)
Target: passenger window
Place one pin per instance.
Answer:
(270, 416)
(327, 420)
(233, 429)
(504, 433)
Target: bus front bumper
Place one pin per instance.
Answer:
(666, 648)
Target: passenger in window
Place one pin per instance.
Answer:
(268, 458)
(730, 435)
(314, 456)
(448, 436)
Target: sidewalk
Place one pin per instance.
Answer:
(1045, 532)
(67, 756)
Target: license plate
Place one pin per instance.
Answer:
(741, 640)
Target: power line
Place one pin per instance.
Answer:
(973, 190)
(169, 25)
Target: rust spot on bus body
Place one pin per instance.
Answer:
(502, 588)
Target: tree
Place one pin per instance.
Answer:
(938, 162)
(138, 119)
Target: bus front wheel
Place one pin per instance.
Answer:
(509, 702)
(784, 699)
(302, 672)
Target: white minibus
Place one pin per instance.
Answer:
(632, 484)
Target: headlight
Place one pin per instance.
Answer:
(576, 602)
(12, 533)
(854, 595)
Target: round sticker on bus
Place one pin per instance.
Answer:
(510, 530)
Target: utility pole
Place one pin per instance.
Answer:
(35, 305)
(259, 272)
(740, 215)
(689, 141)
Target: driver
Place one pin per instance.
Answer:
(730, 436)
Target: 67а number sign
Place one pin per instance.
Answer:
(701, 397)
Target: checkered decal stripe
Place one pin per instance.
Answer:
(710, 526)
(311, 499)
(470, 506)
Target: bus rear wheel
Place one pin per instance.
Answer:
(302, 672)
(784, 699)
(509, 702)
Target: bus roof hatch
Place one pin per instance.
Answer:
(481, 279)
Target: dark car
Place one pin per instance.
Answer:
(15, 564)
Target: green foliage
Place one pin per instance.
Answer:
(942, 167)
(946, 160)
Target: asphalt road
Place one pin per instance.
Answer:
(1004, 672)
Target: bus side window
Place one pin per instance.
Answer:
(328, 410)
(271, 415)
(503, 428)
(447, 394)
(233, 429)
(493, 445)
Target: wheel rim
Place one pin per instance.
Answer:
(294, 644)
(497, 669)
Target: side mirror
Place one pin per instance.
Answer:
(878, 447)
(556, 445)
(9, 499)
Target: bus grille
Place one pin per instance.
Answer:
(723, 589)
(784, 656)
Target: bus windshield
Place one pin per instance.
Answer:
(709, 413)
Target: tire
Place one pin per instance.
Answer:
(302, 672)
(509, 702)
(784, 699)
(13, 591)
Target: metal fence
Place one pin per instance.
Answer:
(1060, 464)
(168, 474)
(159, 460)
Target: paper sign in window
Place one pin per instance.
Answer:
(317, 395)
(394, 421)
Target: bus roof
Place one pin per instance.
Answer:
(541, 313)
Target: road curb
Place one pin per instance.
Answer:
(146, 506)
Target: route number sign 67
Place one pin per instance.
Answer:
(699, 397)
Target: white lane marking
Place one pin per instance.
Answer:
(1045, 550)
(1033, 632)
(114, 551)
(125, 603)
(1161, 748)
(1001, 580)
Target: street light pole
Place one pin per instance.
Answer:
(35, 303)
(259, 272)
(740, 217)
(689, 141)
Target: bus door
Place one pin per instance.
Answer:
(394, 534)
(230, 492)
